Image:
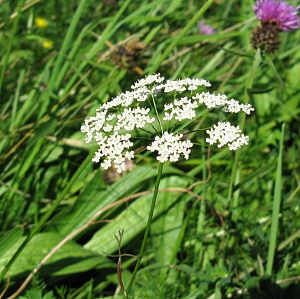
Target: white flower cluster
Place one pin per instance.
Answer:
(112, 147)
(116, 120)
(170, 147)
(220, 100)
(184, 84)
(181, 109)
(224, 133)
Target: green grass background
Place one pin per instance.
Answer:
(236, 235)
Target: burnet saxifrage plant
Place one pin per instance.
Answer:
(115, 121)
(156, 108)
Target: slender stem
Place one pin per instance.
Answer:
(158, 179)
(156, 112)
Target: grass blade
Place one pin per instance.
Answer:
(276, 209)
(11, 41)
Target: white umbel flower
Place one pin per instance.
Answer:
(120, 119)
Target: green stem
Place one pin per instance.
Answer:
(158, 179)
(156, 113)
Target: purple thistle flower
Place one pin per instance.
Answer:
(278, 11)
(205, 29)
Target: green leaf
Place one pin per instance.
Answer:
(94, 198)
(169, 220)
(69, 259)
(9, 239)
(37, 294)
(264, 88)
(276, 208)
(133, 220)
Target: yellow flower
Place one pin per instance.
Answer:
(47, 44)
(41, 22)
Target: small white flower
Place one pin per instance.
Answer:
(120, 167)
(107, 128)
(105, 164)
(129, 155)
(169, 106)
(247, 108)
(110, 117)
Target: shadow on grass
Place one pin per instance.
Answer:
(267, 288)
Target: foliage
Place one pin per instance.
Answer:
(225, 224)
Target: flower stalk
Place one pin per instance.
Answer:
(151, 212)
